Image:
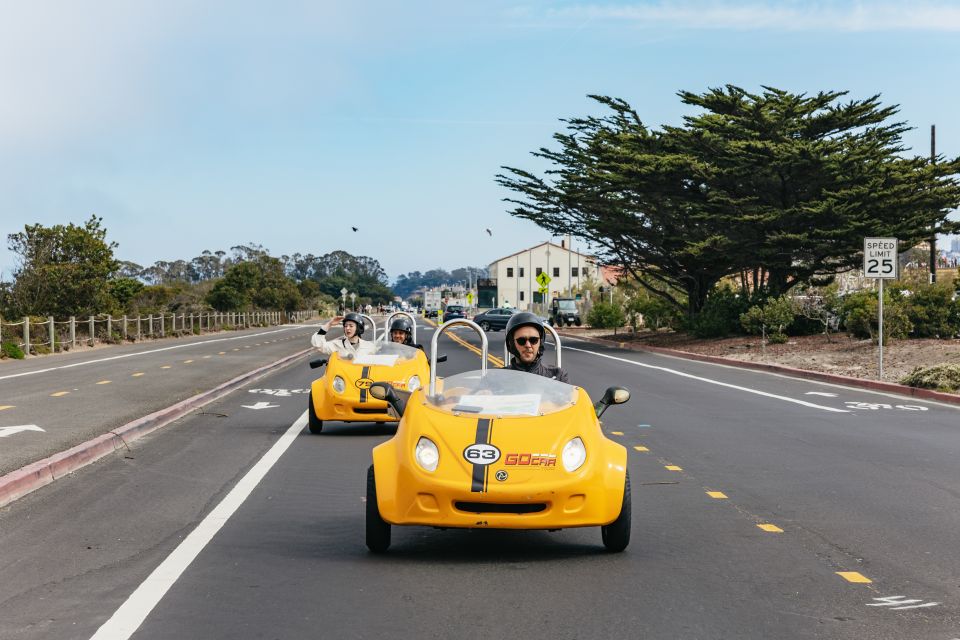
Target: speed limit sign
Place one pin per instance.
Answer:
(880, 258)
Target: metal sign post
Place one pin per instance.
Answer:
(880, 262)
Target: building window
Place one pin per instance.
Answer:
(539, 270)
(556, 272)
(573, 272)
(521, 272)
(521, 295)
(509, 272)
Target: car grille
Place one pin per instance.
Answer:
(494, 507)
(371, 411)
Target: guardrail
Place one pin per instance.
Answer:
(105, 328)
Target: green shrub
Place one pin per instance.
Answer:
(657, 313)
(773, 317)
(604, 315)
(720, 315)
(859, 313)
(933, 311)
(11, 350)
(942, 377)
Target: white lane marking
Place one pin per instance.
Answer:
(131, 614)
(260, 405)
(141, 353)
(710, 381)
(874, 406)
(900, 603)
(822, 393)
(280, 393)
(9, 431)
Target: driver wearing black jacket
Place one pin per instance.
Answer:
(525, 338)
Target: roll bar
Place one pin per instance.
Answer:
(372, 324)
(556, 342)
(436, 337)
(386, 324)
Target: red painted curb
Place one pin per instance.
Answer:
(875, 385)
(17, 484)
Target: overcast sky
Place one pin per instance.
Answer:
(202, 125)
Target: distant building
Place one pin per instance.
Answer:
(516, 274)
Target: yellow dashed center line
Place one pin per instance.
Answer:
(166, 366)
(137, 374)
(104, 382)
(617, 433)
(853, 576)
(222, 353)
(187, 361)
(205, 357)
(58, 394)
(236, 349)
(673, 467)
(719, 495)
(639, 448)
(770, 528)
(6, 406)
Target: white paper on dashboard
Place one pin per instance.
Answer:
(376, 360)
(525, 404)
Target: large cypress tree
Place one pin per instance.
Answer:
(785, 186)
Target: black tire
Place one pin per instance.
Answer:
(315, 423)
(485, 325)
(616, 535)
(378, 530)
(552, 323)
(577, 321)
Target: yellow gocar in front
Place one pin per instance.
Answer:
(500, 449)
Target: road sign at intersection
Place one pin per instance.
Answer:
(543, 280)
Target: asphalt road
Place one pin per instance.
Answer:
(79, 395)
(842, 480)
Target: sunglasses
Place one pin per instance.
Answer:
(523, 340)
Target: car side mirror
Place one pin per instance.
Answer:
(613, 395)
(384, 391)
(442, 357)
(319, 362)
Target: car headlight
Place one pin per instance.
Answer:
(574, 454)
(427, 454)
(339, 385)
(413, 383)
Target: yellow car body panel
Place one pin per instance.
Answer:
(462, 494)
(356, 404)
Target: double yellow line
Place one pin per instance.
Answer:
(494, 360)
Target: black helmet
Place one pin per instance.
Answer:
(357, 319)
(402, 324)
(524, 319)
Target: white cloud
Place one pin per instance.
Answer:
(782, 16)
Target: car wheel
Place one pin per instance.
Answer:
(616, 535)
(378, 530)
(315, 423)
(485, 325)
(577, 322)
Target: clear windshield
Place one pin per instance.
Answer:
(503, 392)
(386, 354)
(567, 305)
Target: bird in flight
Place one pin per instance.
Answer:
(489, 233)
(354, 229)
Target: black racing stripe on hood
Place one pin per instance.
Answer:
(479, 480)
(363, 392)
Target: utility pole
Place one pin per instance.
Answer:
(933, 236)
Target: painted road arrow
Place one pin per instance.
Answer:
(260, 405)
(9, 431)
